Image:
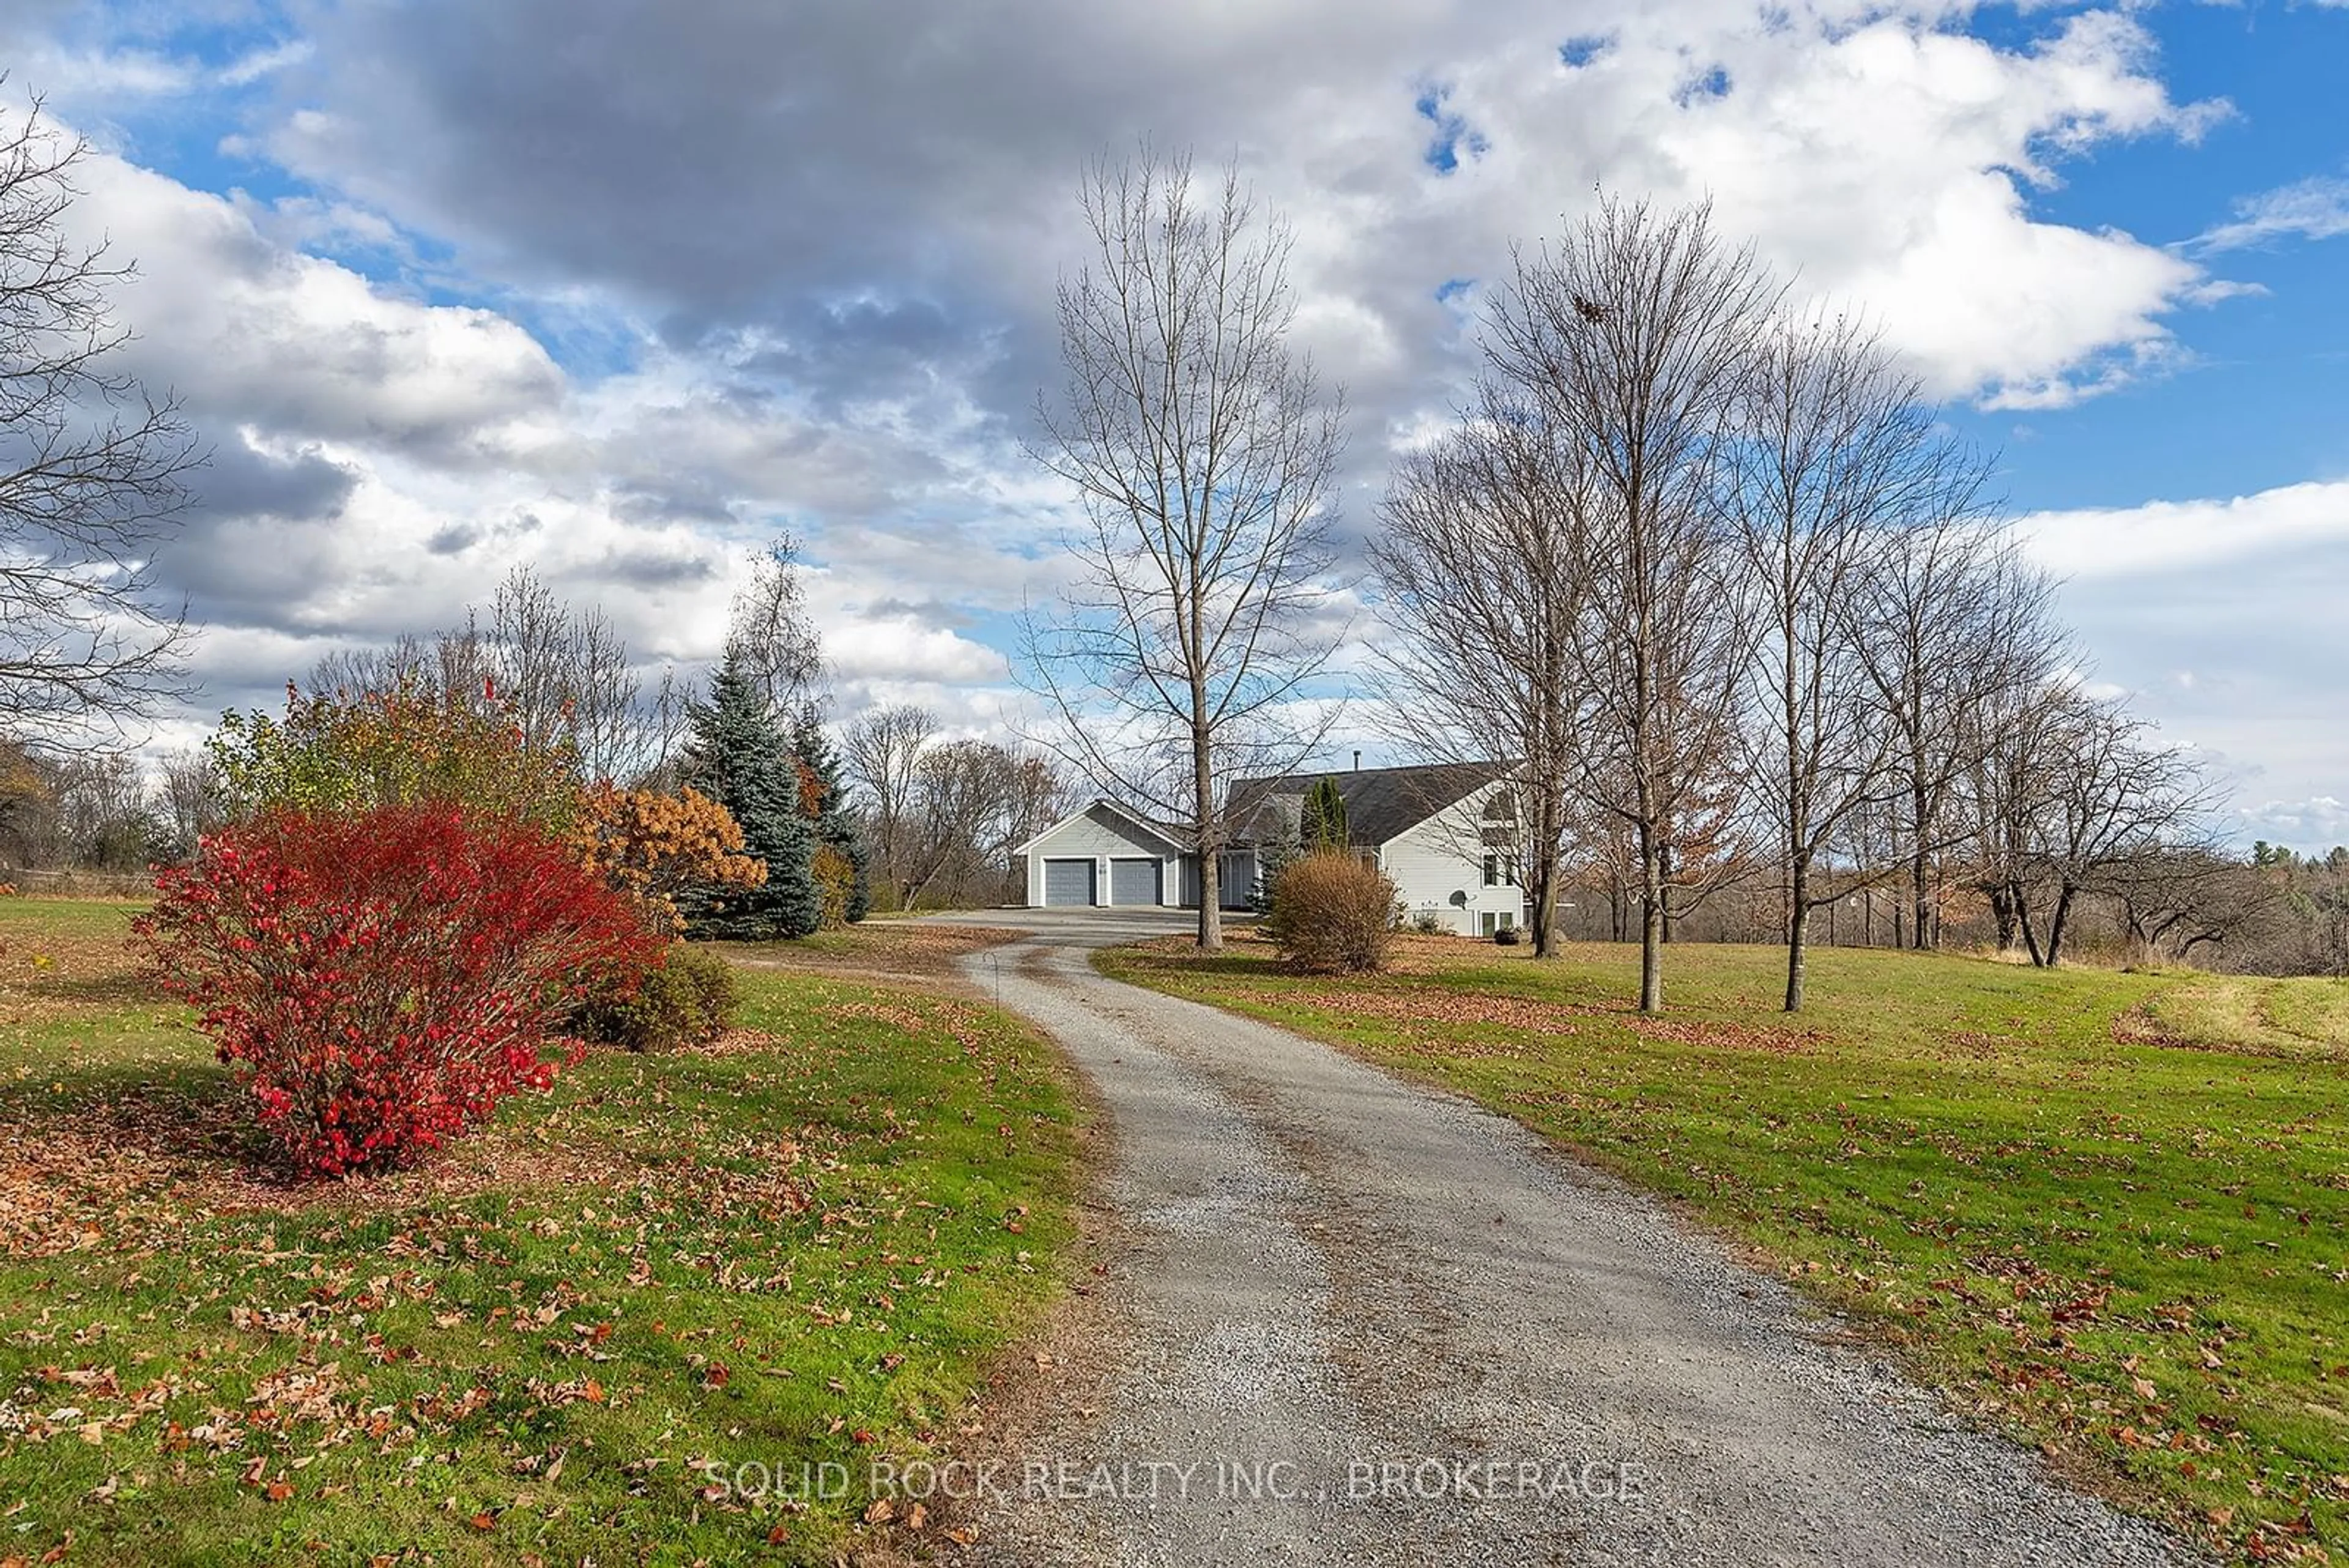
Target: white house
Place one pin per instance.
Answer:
(1444, 835)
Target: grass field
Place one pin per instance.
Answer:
(2108, 1211)
(804, 1244)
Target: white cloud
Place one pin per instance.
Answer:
(2310, 825)
(826, 260)
(2221, 618)
(2312, 209)
(2173, 537)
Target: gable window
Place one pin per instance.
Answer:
(1500, 869)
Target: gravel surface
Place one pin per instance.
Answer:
(1373, 1323)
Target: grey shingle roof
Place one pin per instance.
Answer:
(1380, 802)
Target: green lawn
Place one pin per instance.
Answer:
(2108, 1211)
(782, 1251)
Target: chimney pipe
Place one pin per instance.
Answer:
(1358, 762)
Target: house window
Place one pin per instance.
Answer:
(1499, 869)
(1493, 920)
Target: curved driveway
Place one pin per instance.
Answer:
(1369, 1322)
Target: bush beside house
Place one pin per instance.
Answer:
(1332, 914)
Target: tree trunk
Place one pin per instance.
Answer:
(1664, 887)
(1545, 913)
(1211, 899)
(1652, 923)
(2002, 911)
(2023, 921)
(1920, 888)
(1797, 925)
(2056, 924)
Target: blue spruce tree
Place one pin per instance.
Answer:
(740, 757)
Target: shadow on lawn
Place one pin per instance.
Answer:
(118, 987)
(171, 1114)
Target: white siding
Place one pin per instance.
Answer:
(1443, 856)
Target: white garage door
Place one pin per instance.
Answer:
(1067, 882)
(1133, 882)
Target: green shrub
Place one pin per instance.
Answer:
(689, 1000)
(1332, 914)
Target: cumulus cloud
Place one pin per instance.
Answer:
(622, 308)
(885, 208)
(2220, 619)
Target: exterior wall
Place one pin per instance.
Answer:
(1101, 835)
(1235, 890)
(1443, 856)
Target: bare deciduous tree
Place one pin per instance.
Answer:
(1836, 448)
(883, 749)
(2110, 797)
(1201, 451)
(564, 673)
(773, 637)
(192, 802)
(1636, 333)
(1484, 569)
(92, 475)
(1958, 634)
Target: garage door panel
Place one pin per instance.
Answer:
(1067, 882)
(1134, 881)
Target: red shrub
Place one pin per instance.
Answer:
(383, 977)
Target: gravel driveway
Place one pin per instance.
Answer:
(1369, 1322)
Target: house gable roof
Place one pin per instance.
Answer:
(1381, 804)
(1126, 814)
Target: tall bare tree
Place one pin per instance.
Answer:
(1637, 333)
(771, 633)
(192, 803)
(93, 474)
(1483, 566)
(1201, 451)
(1836, 448)
(884, 751)
(564, 672)
(1955, 630)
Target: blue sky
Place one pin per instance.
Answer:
(458, 283)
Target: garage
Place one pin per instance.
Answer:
(1067, 882)
(1136, 881)
(1105, 854)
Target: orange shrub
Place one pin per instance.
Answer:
(1332, 914)
(657, 846)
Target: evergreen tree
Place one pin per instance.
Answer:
(740, 758)
(1322, 822)
(825, 800)
(1275, 851)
